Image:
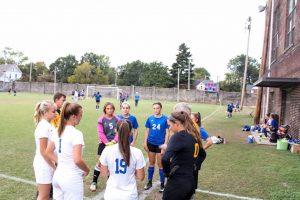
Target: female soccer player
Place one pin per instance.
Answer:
(45, 111)
(157, 133)
(68, 143)
(126, 115)
(107, 133)
(179, 159)
(98, 99)
(122, 163)
(59, 100)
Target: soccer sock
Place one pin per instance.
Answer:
(150, 172)
(96, 174)
(162, 176)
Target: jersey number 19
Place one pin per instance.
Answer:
(121, 167)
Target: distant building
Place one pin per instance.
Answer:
(9, 73)
(279, 80)
(208, 86)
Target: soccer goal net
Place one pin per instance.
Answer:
(105, 91)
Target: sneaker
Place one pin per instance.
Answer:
(162, 187)
(93, 186)
(148, 186)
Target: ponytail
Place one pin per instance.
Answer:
(68, 110)
(188, 124)
(40, 109)
(124, 128)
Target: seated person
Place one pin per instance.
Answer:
(267, 122)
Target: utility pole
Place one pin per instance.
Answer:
(116, 77)
(54, 79)
(189, 75)
(30, 70)
(246, 64)
(178, 84)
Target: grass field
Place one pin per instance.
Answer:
(235, 168)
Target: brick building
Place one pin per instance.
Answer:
(279, 80)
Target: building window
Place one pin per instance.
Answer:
(275, 36)
(290, 28)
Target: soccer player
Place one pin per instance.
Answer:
(59, 99)
(126, 115)
(180, 156)
(123, 164)
(69, 144)
(107, 133)
(98, 99)
(136, 99)
(45, 111)
(229, 110)
(157, 133)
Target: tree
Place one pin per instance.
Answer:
(183, 60)
(83, 74)
(100, 61)
(39, 72)
(131, 73)
(9, 56)
(65, 67)
(201, 74)
(156, 74)
(236, 67)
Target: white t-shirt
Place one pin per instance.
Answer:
(44, 129)
(121, 183)
(64, 149)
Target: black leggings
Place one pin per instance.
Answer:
(179, 188)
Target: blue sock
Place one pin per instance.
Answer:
(150, 172)
(162, 176)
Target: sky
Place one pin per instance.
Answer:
(129, 30)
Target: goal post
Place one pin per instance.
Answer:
(105, 91)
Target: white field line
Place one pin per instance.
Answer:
(17, 179)
(226, 195)
(211, 114)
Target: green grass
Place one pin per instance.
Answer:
(236, 168)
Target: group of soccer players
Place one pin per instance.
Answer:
(59, 151)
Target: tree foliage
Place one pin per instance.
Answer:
(201, 74)
(236, 67)
(10, 56)
(65, 67)
(183, 60)
(84, 74)
(156, 74)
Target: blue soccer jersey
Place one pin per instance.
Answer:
(157, 128)
(203, 134)
(133, 121)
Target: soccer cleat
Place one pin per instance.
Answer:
(162, 187)
(148, 186)
(93, 186)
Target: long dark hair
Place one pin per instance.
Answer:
(124, 128)
(197, 116)
(187, 123)
(68, 110)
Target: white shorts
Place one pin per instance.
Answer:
(42, 171)
(67, 186)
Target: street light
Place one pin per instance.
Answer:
(248, 27)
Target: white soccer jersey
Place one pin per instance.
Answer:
(43, 171)
(121, 183)
(64, 149)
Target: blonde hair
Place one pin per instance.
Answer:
(40, 109)
(68, 110)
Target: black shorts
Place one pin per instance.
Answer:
(153, 148)
(172, 190)
(97, 101)
(100, 148)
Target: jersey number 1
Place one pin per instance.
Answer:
(196, 151)
(121, 167)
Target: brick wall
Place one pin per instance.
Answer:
(295, 112)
